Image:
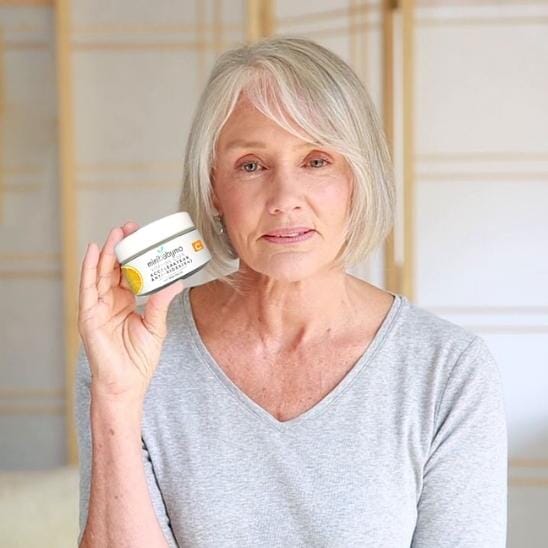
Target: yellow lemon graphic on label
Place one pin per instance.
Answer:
(134, 279)
(197, 245)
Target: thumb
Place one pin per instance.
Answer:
(156, 308)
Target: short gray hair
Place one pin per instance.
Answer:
(296, 77)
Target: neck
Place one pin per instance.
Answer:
(286, 315)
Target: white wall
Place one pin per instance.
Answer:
(481, 233)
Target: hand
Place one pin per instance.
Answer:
(123, 347)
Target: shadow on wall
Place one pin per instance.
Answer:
(39, 508)
(528, 503)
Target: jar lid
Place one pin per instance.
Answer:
(151, 234)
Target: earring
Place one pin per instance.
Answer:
(220, 225)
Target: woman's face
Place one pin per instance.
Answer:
(266, 180)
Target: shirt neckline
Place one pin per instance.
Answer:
(322, 405)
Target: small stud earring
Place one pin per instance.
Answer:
(220, 225)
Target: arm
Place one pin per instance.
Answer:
(463, 497)
(120, 503)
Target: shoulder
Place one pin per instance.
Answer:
(442, 366)
(425, 332)
(432, 349)
(413, 331)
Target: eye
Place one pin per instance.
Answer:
(322, 163)
(245, 165)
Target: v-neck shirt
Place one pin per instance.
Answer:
(344, 384)
(408, 449)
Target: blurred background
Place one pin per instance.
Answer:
(96, 98)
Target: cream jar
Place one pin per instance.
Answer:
(161, 252)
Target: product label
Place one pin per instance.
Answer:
(168, 262)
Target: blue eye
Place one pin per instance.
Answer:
(249, 164)
(321, 160)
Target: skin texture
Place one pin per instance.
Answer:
(301, 323)
(287, 183)
(123, 349)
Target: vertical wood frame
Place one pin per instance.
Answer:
(391, 268)
(400, 277)
(407, 279)
(260, 20)
(67, 206)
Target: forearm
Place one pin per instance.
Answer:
(120, 508)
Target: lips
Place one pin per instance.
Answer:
(288, 232)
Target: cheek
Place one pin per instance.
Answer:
(240, 212)
(238, 200)
(333, 201)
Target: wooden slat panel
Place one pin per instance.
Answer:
(68, 212)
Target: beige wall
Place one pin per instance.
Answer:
(32, 376)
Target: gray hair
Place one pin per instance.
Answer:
(293, 80)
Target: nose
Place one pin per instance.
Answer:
(284, 193)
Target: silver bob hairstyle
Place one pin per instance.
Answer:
(313, 94)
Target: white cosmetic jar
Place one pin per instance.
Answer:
(161, 252)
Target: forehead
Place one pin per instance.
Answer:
(247, 124)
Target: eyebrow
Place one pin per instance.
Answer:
(238, 143)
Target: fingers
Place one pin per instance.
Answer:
(100, 268)
(88, 279)
(117, 278)
(129, 227)
(107, 262)
(156, 308)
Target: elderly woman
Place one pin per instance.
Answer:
(285, 403)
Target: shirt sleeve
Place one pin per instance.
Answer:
(83, 427)
(463, 501)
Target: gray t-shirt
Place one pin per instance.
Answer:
(409, 449)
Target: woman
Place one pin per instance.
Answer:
(287, 403)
